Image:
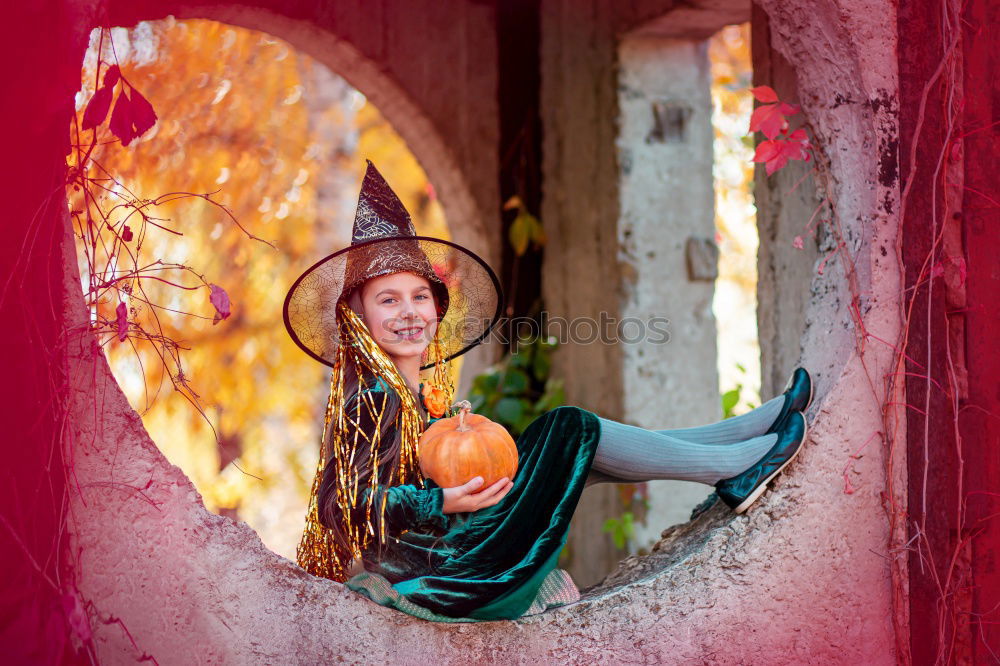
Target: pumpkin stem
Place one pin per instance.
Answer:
(465, 406)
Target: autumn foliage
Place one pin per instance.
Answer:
(771, 118)
(211, 166)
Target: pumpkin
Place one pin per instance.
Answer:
(455, 450)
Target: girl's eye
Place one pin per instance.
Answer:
(386, 301)
(422, 296)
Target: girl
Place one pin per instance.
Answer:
(392, 304)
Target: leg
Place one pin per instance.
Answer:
(736, 429)
(596, 476)
(633, 454)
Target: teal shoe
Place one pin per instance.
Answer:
(798, 397)
(742, 490)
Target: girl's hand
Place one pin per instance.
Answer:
(461, 499)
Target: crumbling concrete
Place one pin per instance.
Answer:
(803, 577)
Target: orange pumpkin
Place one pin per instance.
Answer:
(455, 450)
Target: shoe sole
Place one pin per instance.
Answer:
(812, 388)
(759, 490)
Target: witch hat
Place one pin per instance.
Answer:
(383, 241)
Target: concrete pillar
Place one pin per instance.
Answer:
(580, 273)
(666, 250)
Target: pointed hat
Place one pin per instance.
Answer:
(383, 241)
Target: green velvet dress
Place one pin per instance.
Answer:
(488, 564)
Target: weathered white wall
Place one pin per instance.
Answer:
(666, 197)
(802, 578)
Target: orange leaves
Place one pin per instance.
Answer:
(771, 118)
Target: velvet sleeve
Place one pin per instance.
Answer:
(407, 506)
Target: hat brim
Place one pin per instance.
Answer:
(475, 296)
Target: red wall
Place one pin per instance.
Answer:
(980, 420)
(955, 429)
(44, 50)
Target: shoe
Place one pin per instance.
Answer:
(742, 490)
(798, 396)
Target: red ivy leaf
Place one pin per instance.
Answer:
(220, 299)
(797, 242)
(121, 119)
(793, 150)
(766, 150)
(800, 136)
(97, 107)
(769, 120)
(776, 152)
(143, 116)
(777, 163)
(772, 154)
(787, 109)
(764, 94)
(126, 234)
(111, 76)
(122, 312)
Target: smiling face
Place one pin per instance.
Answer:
(400, 312)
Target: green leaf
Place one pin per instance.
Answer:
(521, 358)
(515, 382)
(486, 383)
(613, 525)
(628, 524)
(510, 410)
(729, 400)
(542, 365)
(553, 396)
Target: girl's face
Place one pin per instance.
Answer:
(400, 312)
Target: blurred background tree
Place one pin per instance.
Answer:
(282, 141)
(735, 302)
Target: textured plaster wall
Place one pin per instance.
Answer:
(667, 197)
(802, 578)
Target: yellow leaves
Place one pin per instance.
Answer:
(236, 119)
(525, 229)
